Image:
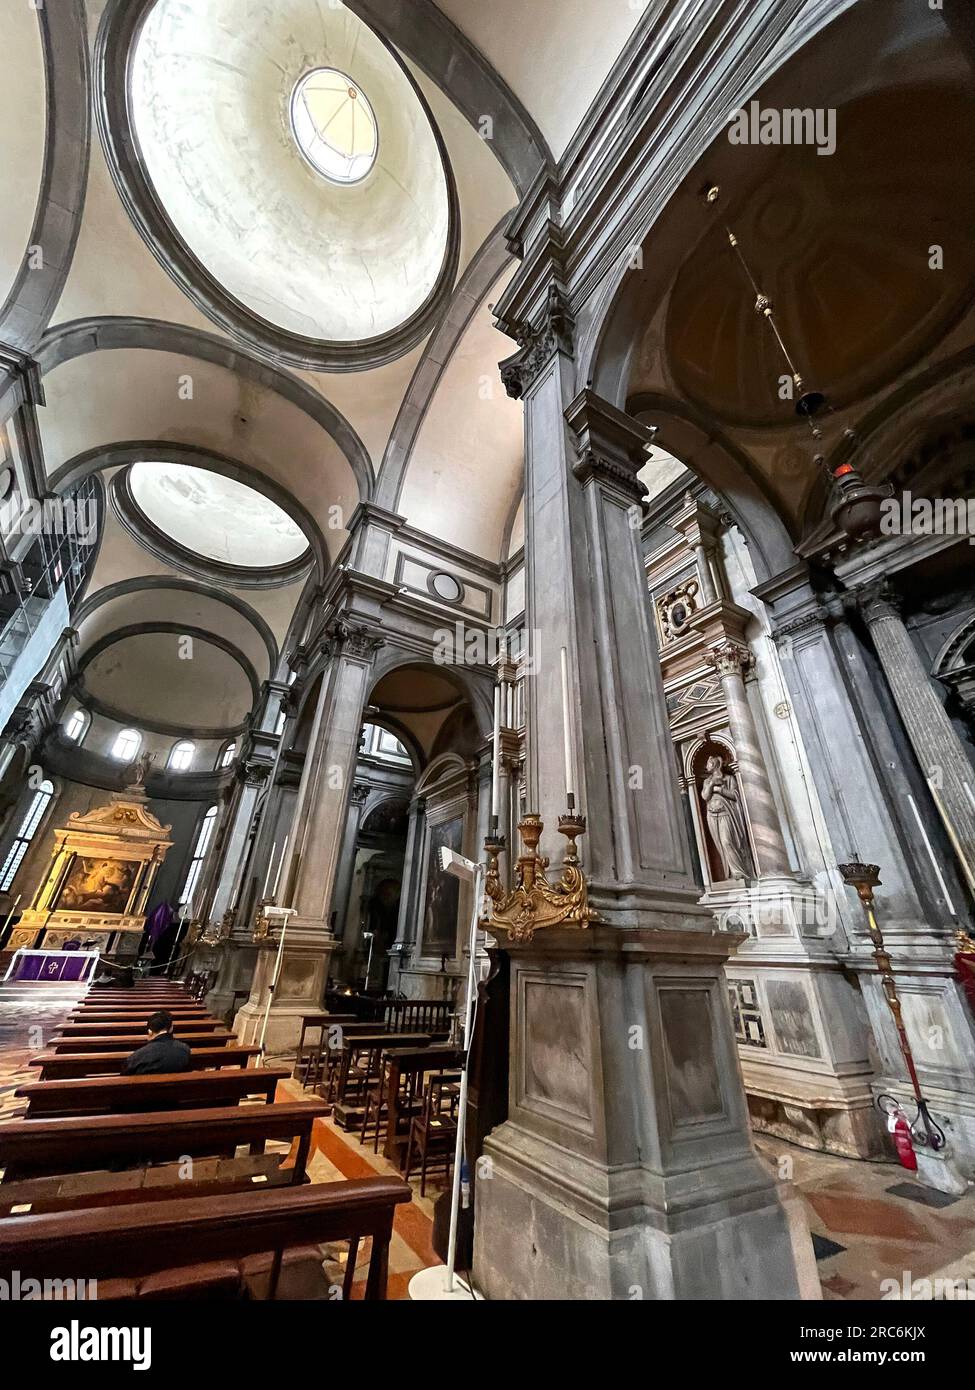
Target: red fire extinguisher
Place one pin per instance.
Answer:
(901, 1130)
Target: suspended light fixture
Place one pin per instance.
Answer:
(855, 504)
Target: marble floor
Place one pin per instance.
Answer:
(864, 1233)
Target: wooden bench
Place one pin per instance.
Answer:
(140, 1011)
(128, 1042)
(359, 1066)
(56, 1066)
(123, 1041)
(406, 1068)
(38, 1148)
(141, 1250)
(180, 1026)
(94, 1095)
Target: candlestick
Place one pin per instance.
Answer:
(567, 734)
(277, 876)
(270, 866)
(496, 767)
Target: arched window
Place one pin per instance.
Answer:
(203, 839)
(126, 745)
(228, 755)
(39, 803)
(182, 755)
(77, 725)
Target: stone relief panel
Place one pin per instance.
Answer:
(556, 1070)
(690, 1064)
(792, 1019)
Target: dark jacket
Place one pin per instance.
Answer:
(164, 1053)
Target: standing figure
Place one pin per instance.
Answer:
(726, 821)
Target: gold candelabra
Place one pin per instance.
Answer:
(534, 902)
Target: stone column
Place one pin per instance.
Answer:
(731, 660)
(940, 752)
(625, 1168)
(409, 909)
(318, 826)
(865, 794)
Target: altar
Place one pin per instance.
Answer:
(98, 882)
(51, 967)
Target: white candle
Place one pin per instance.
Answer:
(496, 768)
(270, 868)
(567, 730)
(277, 876)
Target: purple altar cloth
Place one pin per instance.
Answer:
(52, 965)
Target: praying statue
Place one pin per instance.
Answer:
(726, 820)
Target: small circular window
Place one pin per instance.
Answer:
(334, 125)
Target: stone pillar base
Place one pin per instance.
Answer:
(300, 990)
(626, 1168)
(551, 1228)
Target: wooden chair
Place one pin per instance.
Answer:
(433, 1133)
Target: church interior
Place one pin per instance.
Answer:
(487, 650)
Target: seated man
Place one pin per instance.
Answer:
(162, 1052)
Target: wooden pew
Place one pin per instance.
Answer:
(141, 1011)
(134, 1243)
(38, 1148)
(321, 1021)
(55, 1066)
(128, 1042)
(180, 1026)
(412, 1063)
(94, 1095)
(360, 1051)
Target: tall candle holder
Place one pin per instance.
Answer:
(865, 878)
(533, 902)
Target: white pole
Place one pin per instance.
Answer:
(274, 983)
(462, 1099)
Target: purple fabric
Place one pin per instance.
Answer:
(157, 922)
(52, 965)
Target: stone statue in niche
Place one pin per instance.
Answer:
(726, 820)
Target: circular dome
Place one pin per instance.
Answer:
(218, 518)
(261, 182)
(334, 125)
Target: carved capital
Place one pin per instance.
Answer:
(612, 446)
(730, 659)
(878, 601)
(538, 343)
(359, 792)
(355, 639)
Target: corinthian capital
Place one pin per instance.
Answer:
(730, 659)
(537, 343)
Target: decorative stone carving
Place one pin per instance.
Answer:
(355, 639)
(726, 820)
(537, 344)
(676, 609)
(730, 659)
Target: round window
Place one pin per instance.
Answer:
(334, 125)
(445, 586)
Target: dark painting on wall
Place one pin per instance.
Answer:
(439, 936)
(98, 885)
